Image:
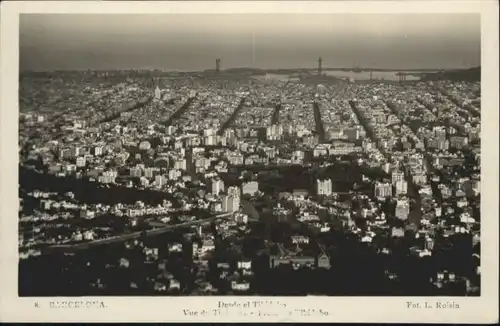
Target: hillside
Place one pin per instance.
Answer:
(471, 75)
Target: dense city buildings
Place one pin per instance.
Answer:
(240, 183)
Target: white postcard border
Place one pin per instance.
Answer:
(482, 309)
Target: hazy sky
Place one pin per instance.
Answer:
(193, 42)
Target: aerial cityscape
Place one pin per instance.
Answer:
(313, 176)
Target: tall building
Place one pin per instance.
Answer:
(324, 187)
(429, 243)
(397, 176)
(401, 187)
(64, 153)
(217, 186)
(98, 150)
(202, 162)
(419, 177)
(458, 142)
(135, 172)
(443, 144)
(217, 65)
(174, 174)
(274, 132)
(157, 93)
(180, 164)
(144, 182)
(209, 132)
(231, 201)
(320, 61)
(149, 173)
(233, 191)
(75, 151)
(383, 190)
(170, 130)
(402, 209)
(160, 180)
(81, 161)
(439, 132)
(229, 133)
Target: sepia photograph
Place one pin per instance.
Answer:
(253, 154)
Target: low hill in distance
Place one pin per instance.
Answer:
(470, 75)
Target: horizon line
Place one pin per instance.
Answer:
(367, 69)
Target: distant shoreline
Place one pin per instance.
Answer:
(238, 69)
(309, 75)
